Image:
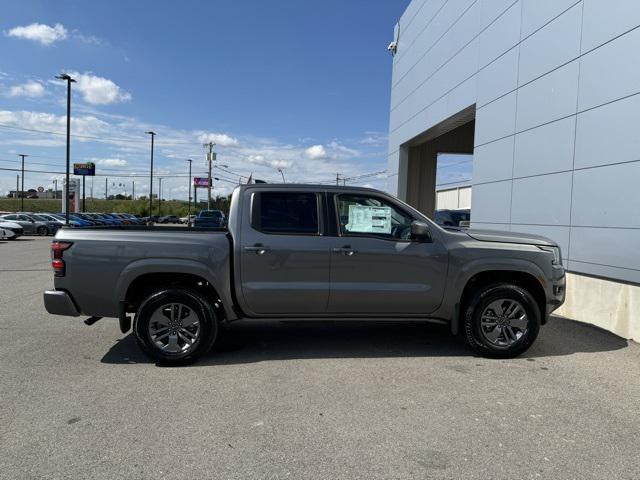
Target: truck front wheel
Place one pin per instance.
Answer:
(175, 326)
(502, 320)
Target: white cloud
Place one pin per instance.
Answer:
(30, 89)
(316, 152)
(38, 32)
(221, 139)
(275, 163)
(111, 162)
(99, 90)
(341, 149)
(82, 124)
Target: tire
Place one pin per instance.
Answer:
(161, 333)
(502, 320)
(42, 231)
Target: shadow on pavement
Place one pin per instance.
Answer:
(252, 341)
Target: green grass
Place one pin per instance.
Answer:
(137, 207)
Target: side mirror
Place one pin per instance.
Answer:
(420, 231)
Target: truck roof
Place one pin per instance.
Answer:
(305, 186)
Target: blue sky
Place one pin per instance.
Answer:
(298, 85)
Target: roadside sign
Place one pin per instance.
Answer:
(88, 169)
(201, 182)
(40, 189)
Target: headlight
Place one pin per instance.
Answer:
(557, 260)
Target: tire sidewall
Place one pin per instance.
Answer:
(208, 325)
(481, 300)
(42, 231)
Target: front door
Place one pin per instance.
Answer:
(284, 258)
(376, 268)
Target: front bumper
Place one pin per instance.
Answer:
(558, 290)
(59, 302)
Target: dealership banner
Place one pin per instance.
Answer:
(88, 169)
(201, 182)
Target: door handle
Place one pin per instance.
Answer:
(346, 250)
(259, 249)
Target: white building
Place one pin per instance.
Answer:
(545, 95)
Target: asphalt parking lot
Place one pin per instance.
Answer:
(305, 400)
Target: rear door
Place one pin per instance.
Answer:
(376, 268)
(284, 254)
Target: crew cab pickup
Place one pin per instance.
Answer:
(307, 252)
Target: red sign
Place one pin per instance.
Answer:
(201, 182)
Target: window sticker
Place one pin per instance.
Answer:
(366, 219)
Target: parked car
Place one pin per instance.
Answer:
(287, 254)
(133, 220)
(453, 218)
(17, 230)
(59, 221)
(210, 218)
(169, 219)
(52, 225)
(30, 225)
(6, 234)
(151, 219)
(187, 219)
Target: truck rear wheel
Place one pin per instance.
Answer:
(501, 321)
(175, 326)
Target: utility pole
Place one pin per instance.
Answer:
(69, 80)
(159, 194)
(153, 134)
(106, 188)
(22, 155)
(83, 197)
(133, 189)
(55, 188)
(211, 157)
(17, 185)
(189, 207)
(337, 179)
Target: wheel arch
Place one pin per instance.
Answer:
(141, 278)
(523, 279)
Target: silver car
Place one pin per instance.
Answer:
(30, 225)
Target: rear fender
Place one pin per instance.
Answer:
(169, 265)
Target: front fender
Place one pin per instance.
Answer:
(461, 273)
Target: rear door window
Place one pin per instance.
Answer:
(286, 213)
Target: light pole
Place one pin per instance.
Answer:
(69, 80)
(282, 173)
(211, 157)
(22, 155)
(153, 134)
(189, 207)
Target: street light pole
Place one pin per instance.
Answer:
(282, 173)
(153, 134)
(189, 207)
(69, 80)
(211, 156)
(22, 155)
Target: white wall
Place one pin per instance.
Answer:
(453, 198)
(556, 85)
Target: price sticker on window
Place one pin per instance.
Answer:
(367, 219)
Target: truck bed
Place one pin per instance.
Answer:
(107, 258)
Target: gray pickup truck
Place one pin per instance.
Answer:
(307, 252)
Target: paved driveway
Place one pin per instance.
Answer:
(305, 400)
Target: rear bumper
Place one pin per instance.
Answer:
(59, 302)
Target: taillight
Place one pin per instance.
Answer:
(57, 263)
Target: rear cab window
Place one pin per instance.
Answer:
(292, 213)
